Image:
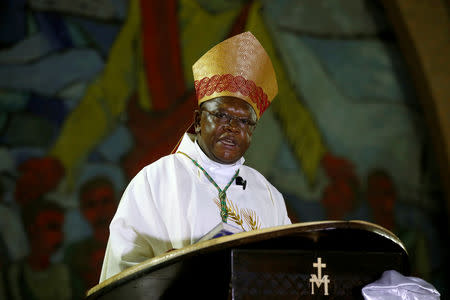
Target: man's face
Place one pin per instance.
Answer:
(224, 140)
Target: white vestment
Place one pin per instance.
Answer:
(171, 204)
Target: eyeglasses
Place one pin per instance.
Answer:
(225, 118)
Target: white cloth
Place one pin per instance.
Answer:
(394, 286)
(171, 204)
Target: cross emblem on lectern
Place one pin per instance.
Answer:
(318, 279)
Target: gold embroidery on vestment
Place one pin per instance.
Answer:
(239, 216)
(251, 218)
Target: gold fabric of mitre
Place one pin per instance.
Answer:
(240, 55)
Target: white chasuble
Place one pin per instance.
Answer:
(170, 204)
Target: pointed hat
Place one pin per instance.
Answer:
(238, 67)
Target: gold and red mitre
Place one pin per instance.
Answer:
(238, 67)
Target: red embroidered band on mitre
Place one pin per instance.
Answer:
(227, 82)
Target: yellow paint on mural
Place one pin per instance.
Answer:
(200, 31)
(124, 73)
(144, 95)
(106, 98)
(299, 127)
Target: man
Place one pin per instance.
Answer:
(174, 201)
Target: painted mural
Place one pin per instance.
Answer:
(92, 91)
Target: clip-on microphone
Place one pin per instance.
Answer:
(241, 181)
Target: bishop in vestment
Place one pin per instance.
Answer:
(174, 201)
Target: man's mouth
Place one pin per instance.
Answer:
(227, 141)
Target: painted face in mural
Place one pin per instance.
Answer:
(46, 234)
(98, 205)
(381, 196)
(339, 198)
(224, 128)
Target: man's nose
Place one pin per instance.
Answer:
(233, 124)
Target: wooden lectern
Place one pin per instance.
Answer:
(316, 260)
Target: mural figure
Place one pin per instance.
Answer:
(340, 196)
(384, 203)
(36, 277)
(381, 196)
(98, 204)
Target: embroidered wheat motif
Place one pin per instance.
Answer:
(251, 218)
(235, 214)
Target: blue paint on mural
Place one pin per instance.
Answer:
(383, 129)
(52, 73)
(26, 129)
(13, 101)
(13, 23)
(101, 34)
(76, 228)
(341, 19)
(22, 154)
(112, 172)
(120, 7)
(73, 93)
(31, 48)
(52, 109)
(54, 27)
(116, 145)
(365, 70)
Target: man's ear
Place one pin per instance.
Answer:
(197, 118)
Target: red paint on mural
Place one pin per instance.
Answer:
(340, 196)
(381, 195)
(38, 176)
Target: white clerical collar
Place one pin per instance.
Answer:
(221, 173)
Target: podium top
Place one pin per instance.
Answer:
(313, 231)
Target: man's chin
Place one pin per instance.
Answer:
(227, 158)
